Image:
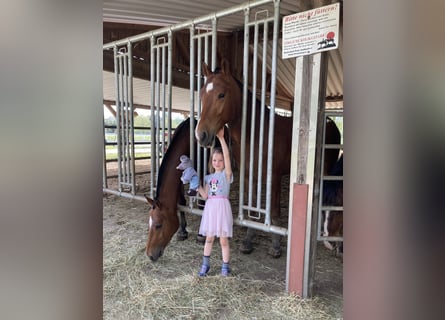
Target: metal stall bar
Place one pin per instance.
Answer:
(104, 164)
(192, 93)
(153, 154)
(128, 122)
(201, 153)
(122, 123)
(256, 24)
(124, 117)
(263, 107)
(244, 113)
(161, 120)
(120, 106)
(321, 206)
(117, 71)
(252, 124)
(272, 109)
(130, 118)
(162, 100)
(249, 207)
(169, 87)
(156, 120)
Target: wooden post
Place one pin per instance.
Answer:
(309, 87)
(298, 235)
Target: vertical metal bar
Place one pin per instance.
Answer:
(116, 85)
(192, 91)
(199, 155)
(320, 170)
(206, 51)
(169, 80)
(104, 164)
(205, 152)
(252, 122)
(272, 110)
(163, 65)
(263, 107)
(121, 126)
(214, 40)
(153, 156)
(131, 107)
(125, 116)
(158, 98)
(244, 112)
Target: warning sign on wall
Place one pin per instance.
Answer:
(311, 31)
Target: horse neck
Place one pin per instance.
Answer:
(169, 188)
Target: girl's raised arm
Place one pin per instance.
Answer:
(225, 150)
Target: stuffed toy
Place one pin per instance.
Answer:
(189, 175)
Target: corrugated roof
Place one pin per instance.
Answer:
(171, 12)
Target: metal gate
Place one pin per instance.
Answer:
(202, 46)
(323, 207)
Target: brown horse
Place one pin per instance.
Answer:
(163, 217)
(222, 104)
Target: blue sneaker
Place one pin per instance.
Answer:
(204, 270)
(225, 270)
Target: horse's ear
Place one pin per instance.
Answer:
(225, 67)
(150, 201)
(205, 69)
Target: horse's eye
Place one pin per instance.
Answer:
(158, 226)
(221, 96)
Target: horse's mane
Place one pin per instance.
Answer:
(183, 127)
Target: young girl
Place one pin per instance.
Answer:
(217, 217)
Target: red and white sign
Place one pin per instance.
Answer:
(311, 31)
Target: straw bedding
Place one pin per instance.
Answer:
(136, 288)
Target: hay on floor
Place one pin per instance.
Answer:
(137, 288)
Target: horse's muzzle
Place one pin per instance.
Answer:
(156, 256)
(204, 139)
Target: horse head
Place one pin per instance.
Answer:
(160, 228)
(220, 103)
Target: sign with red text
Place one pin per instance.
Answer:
(311, 31)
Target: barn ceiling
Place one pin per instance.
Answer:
(170, 12)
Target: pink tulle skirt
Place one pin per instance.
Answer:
(217, 219)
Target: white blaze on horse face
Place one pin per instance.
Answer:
(150, 222)
(209, 87)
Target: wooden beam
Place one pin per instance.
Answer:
(109, 103)
(110, 109)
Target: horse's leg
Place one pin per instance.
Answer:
(247, 246)
(275, 250)
(182, 233)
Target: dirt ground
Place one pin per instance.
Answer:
(125, 229)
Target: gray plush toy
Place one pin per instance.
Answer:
(189, 175)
